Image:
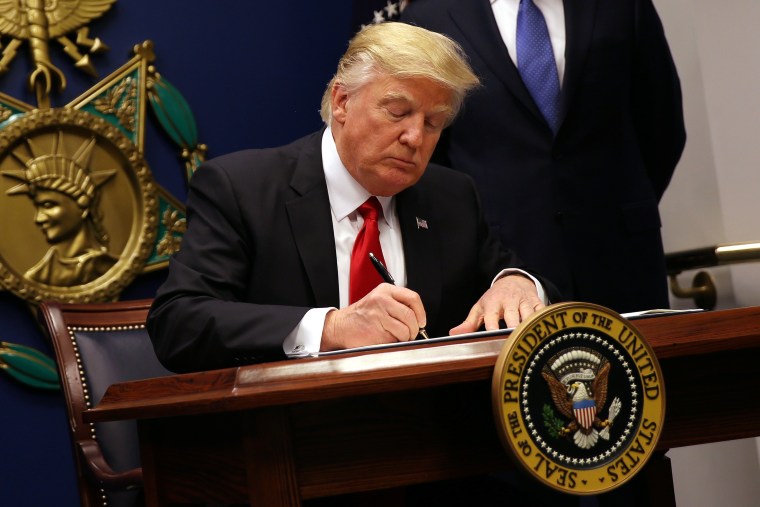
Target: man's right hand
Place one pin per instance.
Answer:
(388, 314)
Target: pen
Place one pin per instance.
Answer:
(387, 278)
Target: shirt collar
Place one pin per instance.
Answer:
(344, 192)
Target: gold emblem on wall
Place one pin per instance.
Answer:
(39, 21)
(81, 213)
(82, 204)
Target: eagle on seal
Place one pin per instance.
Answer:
(568, 379)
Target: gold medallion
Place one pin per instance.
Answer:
(78, 206)
(578, 398)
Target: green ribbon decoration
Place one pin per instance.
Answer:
(176, 117)
(29, 366)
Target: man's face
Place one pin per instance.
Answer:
(58, 215)
(386, 131)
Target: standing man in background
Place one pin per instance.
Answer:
(572, 138)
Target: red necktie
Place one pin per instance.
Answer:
(364, 277)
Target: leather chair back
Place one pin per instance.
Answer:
(97, 345)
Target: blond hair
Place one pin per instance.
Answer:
(402, 51)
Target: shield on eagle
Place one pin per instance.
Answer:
(585, 412)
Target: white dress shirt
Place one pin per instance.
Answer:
(505, 12)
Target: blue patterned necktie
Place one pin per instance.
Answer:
(535, 61)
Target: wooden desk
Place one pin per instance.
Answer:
(277, 433)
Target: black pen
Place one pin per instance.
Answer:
(387, 278)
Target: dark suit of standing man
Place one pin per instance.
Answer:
(259, 259)
(580, 206)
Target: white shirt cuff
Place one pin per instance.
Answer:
(306, 337)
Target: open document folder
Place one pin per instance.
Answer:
(494, 332)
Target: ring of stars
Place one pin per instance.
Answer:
(604, 456)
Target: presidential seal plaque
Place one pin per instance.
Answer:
(578, 398)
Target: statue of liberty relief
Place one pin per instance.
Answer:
(66, 195)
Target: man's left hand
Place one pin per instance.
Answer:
(512, 299)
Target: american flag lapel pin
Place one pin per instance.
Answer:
(421, 223)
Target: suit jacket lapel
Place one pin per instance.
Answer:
(422, 243)
(311, 225)
(478, 26)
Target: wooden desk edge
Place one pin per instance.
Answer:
(416, 367)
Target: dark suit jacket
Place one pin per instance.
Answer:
(582, 208)
(259, 253)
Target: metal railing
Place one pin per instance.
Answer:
(703, 289)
